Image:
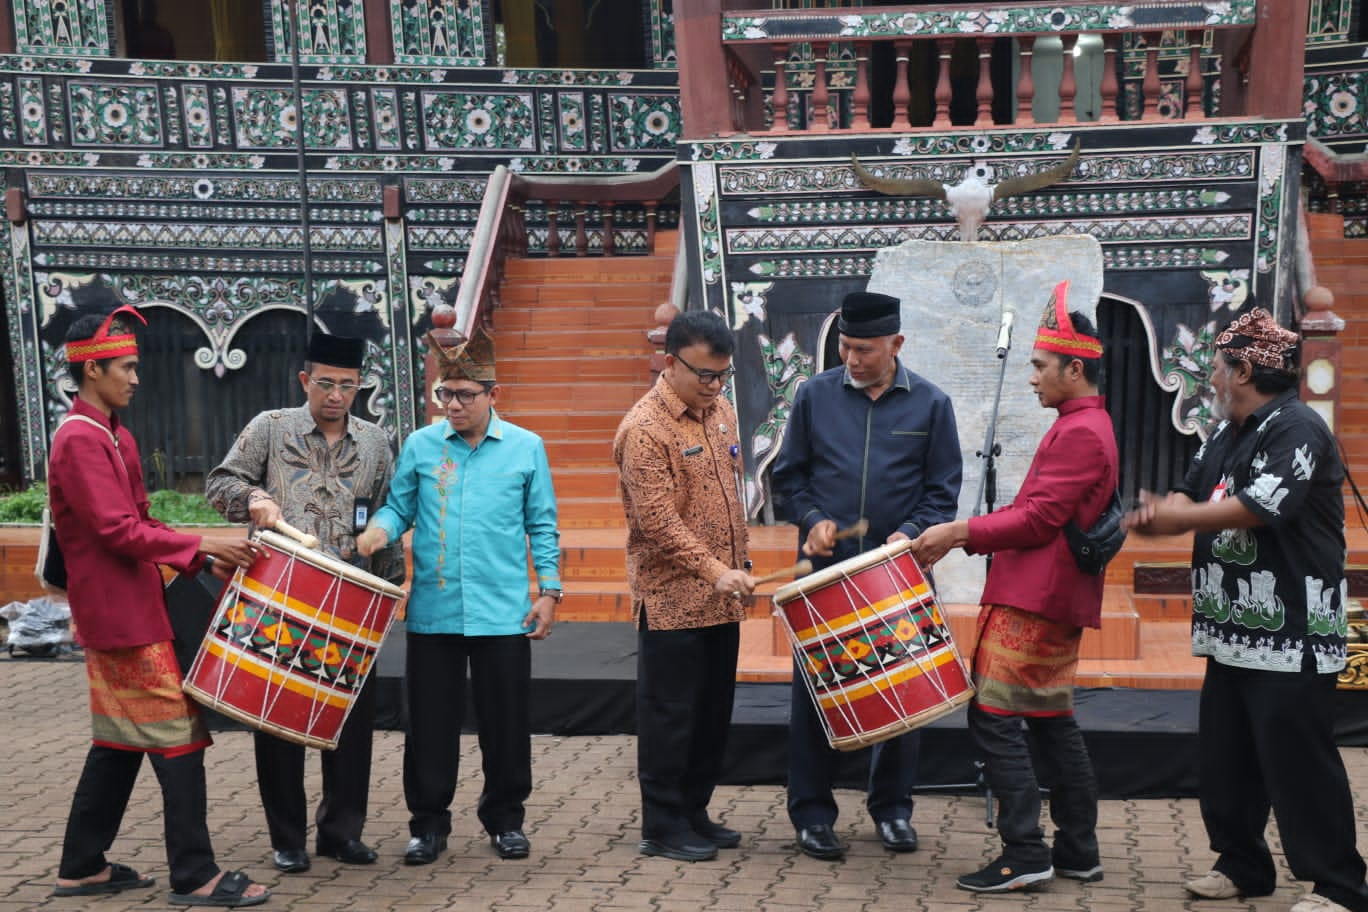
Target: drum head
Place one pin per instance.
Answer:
(328, 564)
(836, 572)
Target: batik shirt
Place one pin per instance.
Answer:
(1263, 598)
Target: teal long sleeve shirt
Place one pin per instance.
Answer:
(474, 512)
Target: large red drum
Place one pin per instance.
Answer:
(292, 643)
(878, 655)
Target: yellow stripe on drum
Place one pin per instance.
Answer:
(846, 622)
(277, 599)
(849, 694)
(249, 664)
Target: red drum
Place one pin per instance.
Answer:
(879, 656)
(293, 641)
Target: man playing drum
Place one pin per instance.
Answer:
(112, 548)
(676, 452)
(323, 471)
(476, 490)
(867, 439)
(1036, 602)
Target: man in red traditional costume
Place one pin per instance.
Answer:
(112, 548)
(1035, 604)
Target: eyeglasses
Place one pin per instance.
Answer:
(465, 397)
(346, 387)
(708, 378)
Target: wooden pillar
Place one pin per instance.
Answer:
(1194, 87)
(1322, 375)
(704, 96)
(821, 116)
(859, 100)
(1111, 42)
(780, 98)
(6, 28)
(1277, 59)
(983, 94)
(1151, 85)
(944, 91)
(1025, 90)
(902, 93)
(379, 33)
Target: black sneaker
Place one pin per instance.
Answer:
(1002, 876)
(1084, 873)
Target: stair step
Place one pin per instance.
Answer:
(569, 295)
(513, 341)
(598, 397)
(585, 482)
(589, 315)
(551, 424)
(616, 367)
(648, 270)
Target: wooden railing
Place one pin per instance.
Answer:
(1147, 61)
(501, 230)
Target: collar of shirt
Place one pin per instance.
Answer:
(346, 431)
(900, 380)
(494, 431)
(1260, 414)
(80, 407)
(1082, 402)
(675, 406)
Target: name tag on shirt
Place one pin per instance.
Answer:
(1218, 493)
(360, 513)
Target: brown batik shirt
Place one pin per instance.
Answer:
(679, 476)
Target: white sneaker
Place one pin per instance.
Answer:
(1314, 902)
(1213, 885)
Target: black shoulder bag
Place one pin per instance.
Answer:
(1094, 549)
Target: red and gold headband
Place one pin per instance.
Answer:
(102, 345)
(1057, 334)
(1257, 338)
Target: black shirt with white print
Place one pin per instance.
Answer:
(1263, 598)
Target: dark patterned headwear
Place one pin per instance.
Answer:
(1057, 334)
(470, 360)
(1257, 338)
(336, 351)
(102, 345)
(868, 315)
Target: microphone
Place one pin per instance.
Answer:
(1004, 342)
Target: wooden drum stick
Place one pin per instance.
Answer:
(303, 538)
(802, 568)
(860, 528)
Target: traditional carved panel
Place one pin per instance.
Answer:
(438, 32)
(76, 28)
(329, 31)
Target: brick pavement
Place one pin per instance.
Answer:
(582, 820)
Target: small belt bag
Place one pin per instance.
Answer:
(1094, 549)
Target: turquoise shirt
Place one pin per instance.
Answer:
(473, 512)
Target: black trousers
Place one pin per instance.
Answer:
(813, 764)
(1066, 769)
(500, 684)
(346, 781)
(102, 797)
(1267, 742)
(686, 683)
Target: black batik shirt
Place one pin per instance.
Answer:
(1263, 598)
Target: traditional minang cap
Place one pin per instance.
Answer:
(868, 315)
(336, 351)
(102, 345)
(1257, 338)
(1057, 334)
(470, 360)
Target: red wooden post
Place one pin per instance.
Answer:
(943, 90)
(983, 95)
(780, 88)
(1025, 82)
(582, 228)
(1110, 43)
(609, 244)
(860, 98)
(902, 92)
(552, 228)
(1194, 87)
(379, 35)
(1151, 86)
(821, 117)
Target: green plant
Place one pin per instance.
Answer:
(177, 509)
(24, 506)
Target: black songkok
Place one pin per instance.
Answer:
(336, 351)
(868, 315)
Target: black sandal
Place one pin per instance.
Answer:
(229, 892)
(121, 877)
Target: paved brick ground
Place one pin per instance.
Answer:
(583, 822)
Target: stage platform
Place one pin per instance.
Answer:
(1143, 742)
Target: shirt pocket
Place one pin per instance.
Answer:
(909, 442)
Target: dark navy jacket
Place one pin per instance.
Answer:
(894, 460)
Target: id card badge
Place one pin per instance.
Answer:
(360, 514)
(1218, 493)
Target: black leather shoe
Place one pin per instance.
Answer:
(349, 851)
(424, 849)
(897, 835)
(512, 844)
(687, 846)
(291, 861)
(716, 833)
(820, 842)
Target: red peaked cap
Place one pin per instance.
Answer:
(102, 345)
(1057, 333)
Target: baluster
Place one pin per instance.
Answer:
(609, 244)
(552, 229)
(1194, 87)
(943, 90)
(1025, 81)
(984, 93)
(1151, 86)
(1110, 45)
(651, 206)
(582, 228)
(821, 118)
(859, 119)
(780, 89)
(1068, 83)
(902, 92)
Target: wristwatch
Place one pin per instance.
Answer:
(554, 593)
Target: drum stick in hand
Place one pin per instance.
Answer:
(802, 568)
(303, 538)
(860, 528)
